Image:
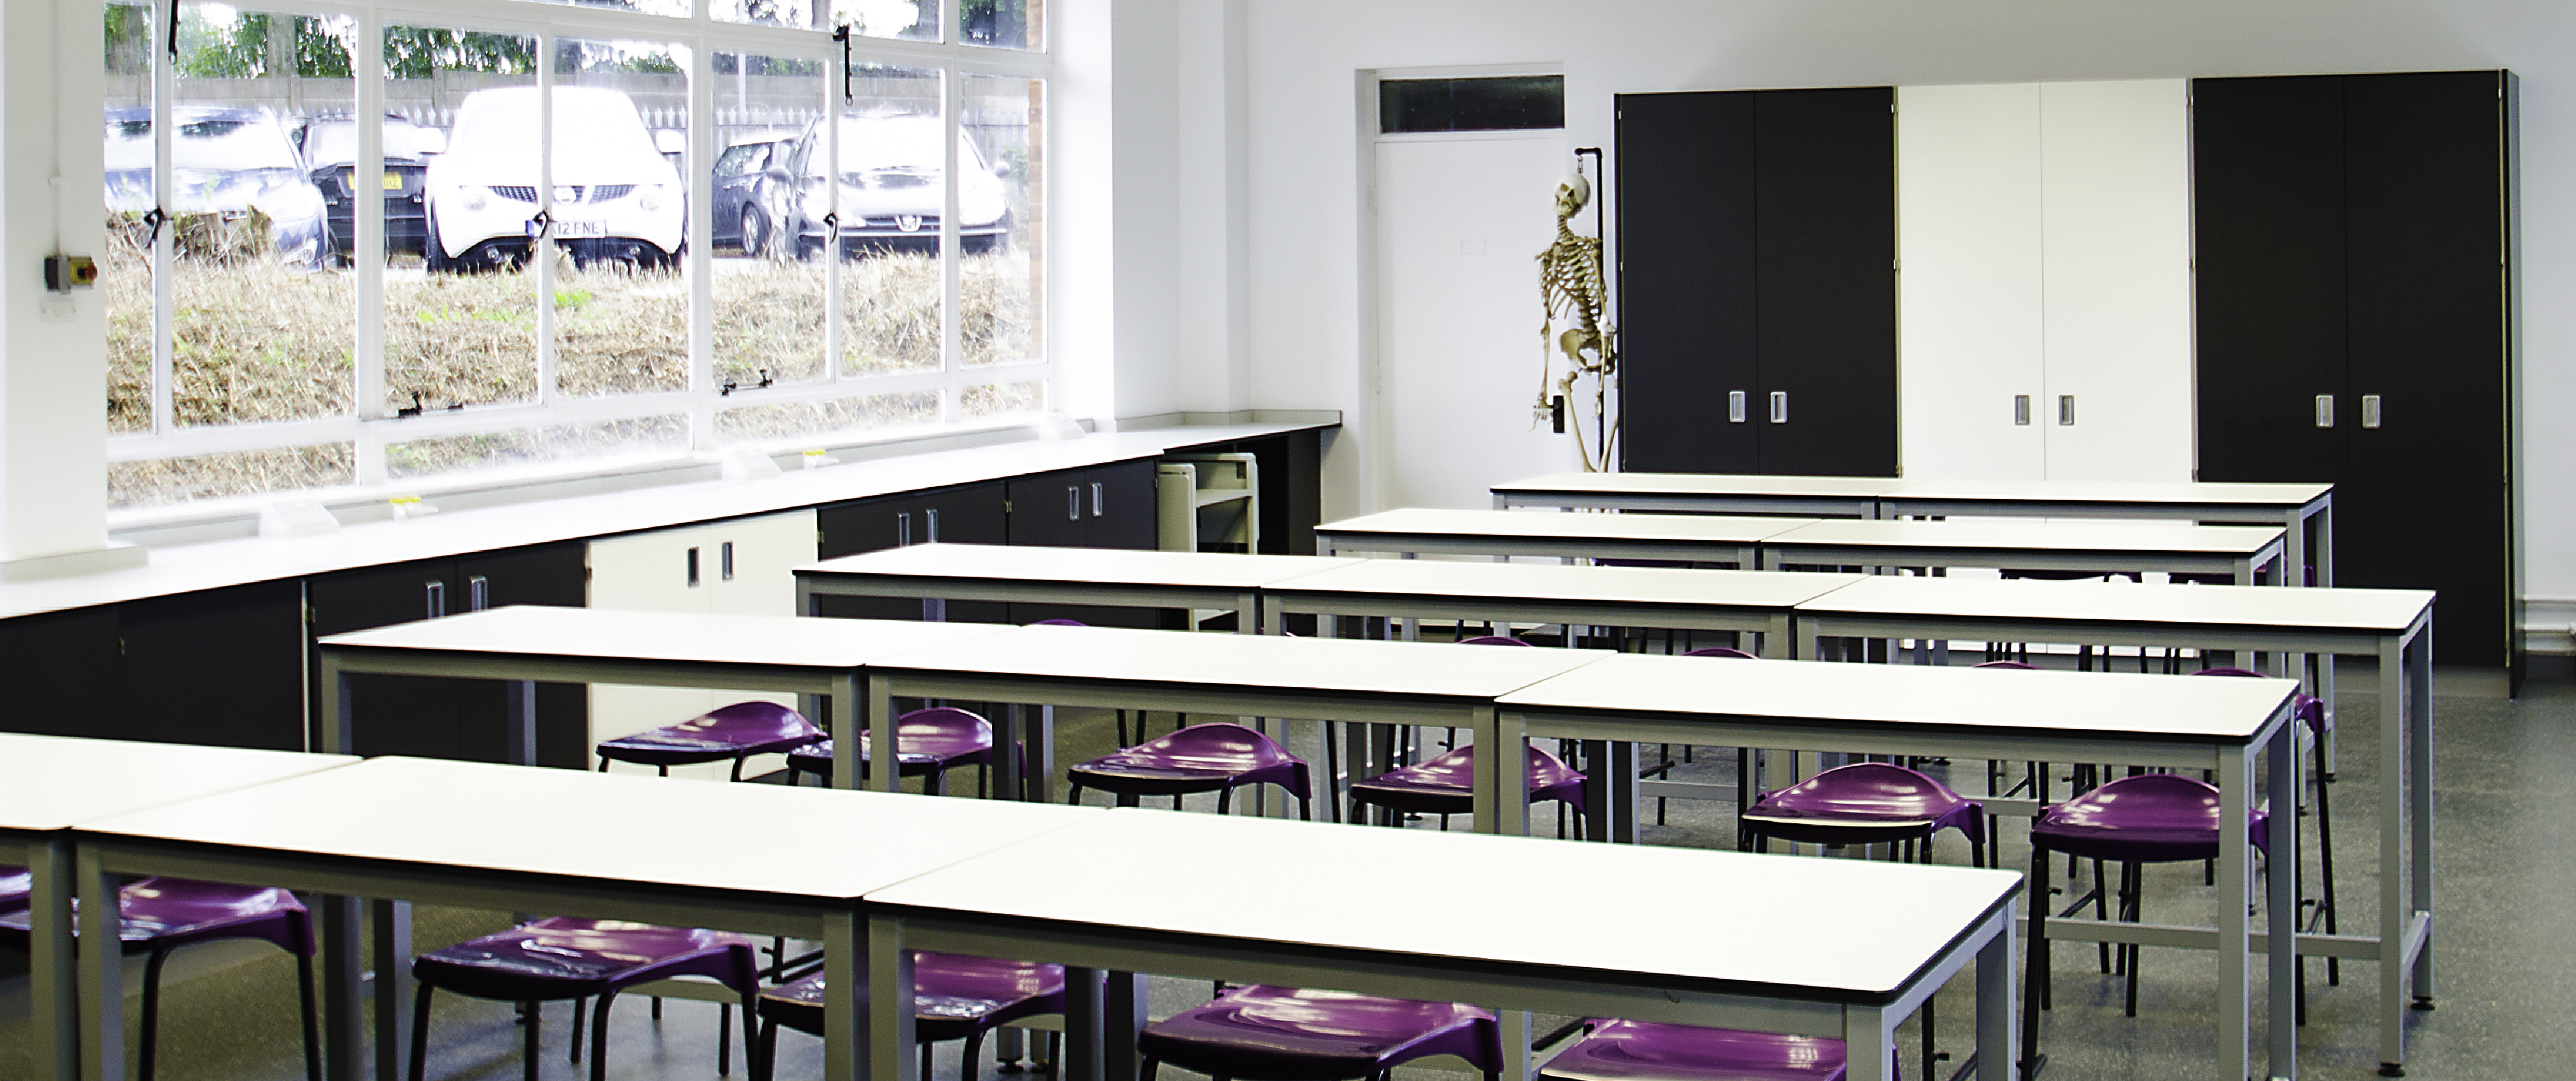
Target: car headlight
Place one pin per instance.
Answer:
(474, 199)
(651, 199)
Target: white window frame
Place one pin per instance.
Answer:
(373, 426)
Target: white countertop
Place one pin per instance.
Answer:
(1712, 484)
(2099, 703)
(1439, 669)
(1537, 581)
(187, 568)
(1836, 926)
(2113, 491)
(1197, 570)
(752, 838)
(52, 783)
(1426, 521)
(2032, 534)
(2385, 610)
(690, 637)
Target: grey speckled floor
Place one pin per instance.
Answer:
(2505, 851)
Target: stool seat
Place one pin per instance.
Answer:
(564, 958)
(1847, 804)
(734, 732)
(1262, 1033)
(1445, 785)
(2149, 818)
(953, 996)
(1200, 758)
(17, 884)
(925, 741)
(1620, 1050)
(166, 912)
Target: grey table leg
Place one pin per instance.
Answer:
(1515, 1031)
(391, 930)
(1082, 1061)
(2281, 906)
(2235, 927)
(874, 977)
(1501, 795)
(806, 605)
(2419, 704)
(1039, 758)
(51, 962)
(1122, 1018)
(338, 731)
(343, 975)
(520, 698)
(102, 982)
(1779, 643)
(1997, 1054)
(1869, 1044)
(862, 702)
(2393, 834)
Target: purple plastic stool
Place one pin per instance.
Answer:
(1716, 651)
(1491, 640)
(1619, 1050)
(955, 997)
(1261, 1033)
(2132, 821)
(17, 884)
(161, 914)
(927, 742)
(1866, 803)
(735, 732)
(1218, 757)
(1445, 785)
(2311, 711)
(555, 959)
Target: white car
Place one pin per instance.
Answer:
(616, 199)
(890, 189)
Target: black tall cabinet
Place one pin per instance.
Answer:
(1757, 257)
(2355, 313)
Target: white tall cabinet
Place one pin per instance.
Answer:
(741, 566)
(2045, 243)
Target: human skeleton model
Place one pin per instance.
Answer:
(1570, 285)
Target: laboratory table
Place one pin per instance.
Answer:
(1743, 601)
(2183, 723)
(2090, 547)
(48, 785)
(2392, 626)
(2293, 507)
(1683, 538)
(527, 645)
(1114, 577)
(734, 857)
(1844, 949)
(1705, 493)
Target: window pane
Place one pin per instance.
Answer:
(890, 192)
(1518, 101)
(461, 305)
(261, 321)
(676, 8)
(1001, 203)
(798, 13)
(1003, 24)
(214, 476)
(991, 399)
(790, 419)
(536, 445)
(769, 312)
(125, 263)
(620, 139)
(911, 20)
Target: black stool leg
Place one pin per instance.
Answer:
(151, 1012)
(724, 1039)
(967, 1064)
(750, 1019)
(580, 1019)
(420, 1032)
(2133, 888)
(1151, 1065)
(764, 1061)
(2034, 996)
(599, 1036)
(312, 1019)
(2100, 899)
(529, 1016)
(1929, 1055)
(2325, 856)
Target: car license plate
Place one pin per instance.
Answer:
(393, 181)
(349, 179)
(568, 229)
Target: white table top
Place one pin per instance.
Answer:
(1837, 926)
(783, 641)
(1713, 484)
(757, 838)
(2383, 610)
(1416, 521)
(1534, 581)
(2036, 535)
(51, 783)
(1118, 566)
(1441, 669)
(2089, 491)
(2101, 703)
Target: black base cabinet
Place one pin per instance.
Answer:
(220, 668)
(964, 514)
(2355, 312)
(465, 719)
(1109, 506)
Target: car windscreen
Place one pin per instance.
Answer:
(214, 143)
(869, 145)
(586, 126)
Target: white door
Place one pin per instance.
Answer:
(1460, 224)
(1969, 243)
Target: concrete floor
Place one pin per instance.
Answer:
(2506, 855)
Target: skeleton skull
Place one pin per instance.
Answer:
(1572, 195)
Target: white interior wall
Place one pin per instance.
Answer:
(1304, 157)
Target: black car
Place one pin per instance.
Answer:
(330, 150)
(739, 219)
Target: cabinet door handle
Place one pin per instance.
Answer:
(929, 525)
(1779, 407)
(1735, 407)
(2325, 410)
(724, 561)
(693, 567)
(2021, 410)
(903, 529)
(2065, 410)
(478, 593)
(1099, 504)
(2370, 410)
(434, 597)
(1073, 502)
